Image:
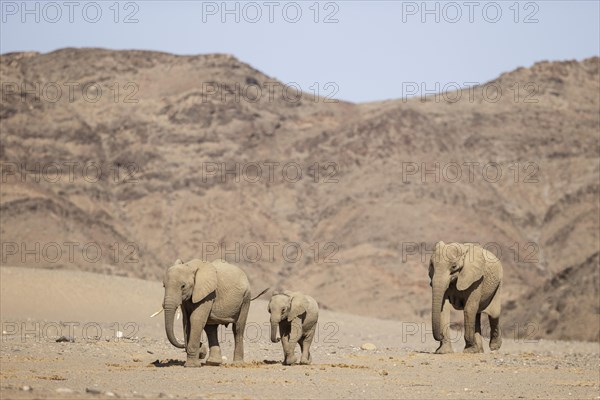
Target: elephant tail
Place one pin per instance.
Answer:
(260, 294)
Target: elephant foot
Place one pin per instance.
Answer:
(214, 357)
(445, 348)
(289, 361)
(473, 349)
(203, 351)
(478, 341)
(193, 362)
(495, 343)
(306, 360)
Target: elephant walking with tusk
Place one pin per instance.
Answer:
(469, 278)
(210, 294)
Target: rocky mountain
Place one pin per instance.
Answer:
(122, 161)
(561, 306)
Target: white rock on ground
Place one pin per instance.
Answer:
(368, 346)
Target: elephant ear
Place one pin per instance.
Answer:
(205, 280)
(298, 306)
(453, 253)
(437, 251)
(472, 263)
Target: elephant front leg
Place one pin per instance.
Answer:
(473, 342)
(288, 351)
(203, 351)
(305, 344)
(214, 357)
(288, 346)
(478, 339)
(445, 346)
(186, 332)
(198, 318)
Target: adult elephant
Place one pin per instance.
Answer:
(469, 278)
(210, 294)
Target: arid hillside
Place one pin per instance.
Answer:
(123, 161)
(563, 305)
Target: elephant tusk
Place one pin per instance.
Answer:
(156, 313)
(162, 309)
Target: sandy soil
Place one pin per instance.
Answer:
(38, 306)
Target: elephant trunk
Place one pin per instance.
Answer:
(170, 309)
(274, 325)
(438, 291)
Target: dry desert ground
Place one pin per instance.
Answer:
(38, 306)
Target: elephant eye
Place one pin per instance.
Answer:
(183, 286)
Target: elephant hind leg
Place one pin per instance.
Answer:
(238, 333)
(495, 333)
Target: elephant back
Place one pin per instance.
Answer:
(230, 277)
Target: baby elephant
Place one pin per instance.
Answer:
(296, 314)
